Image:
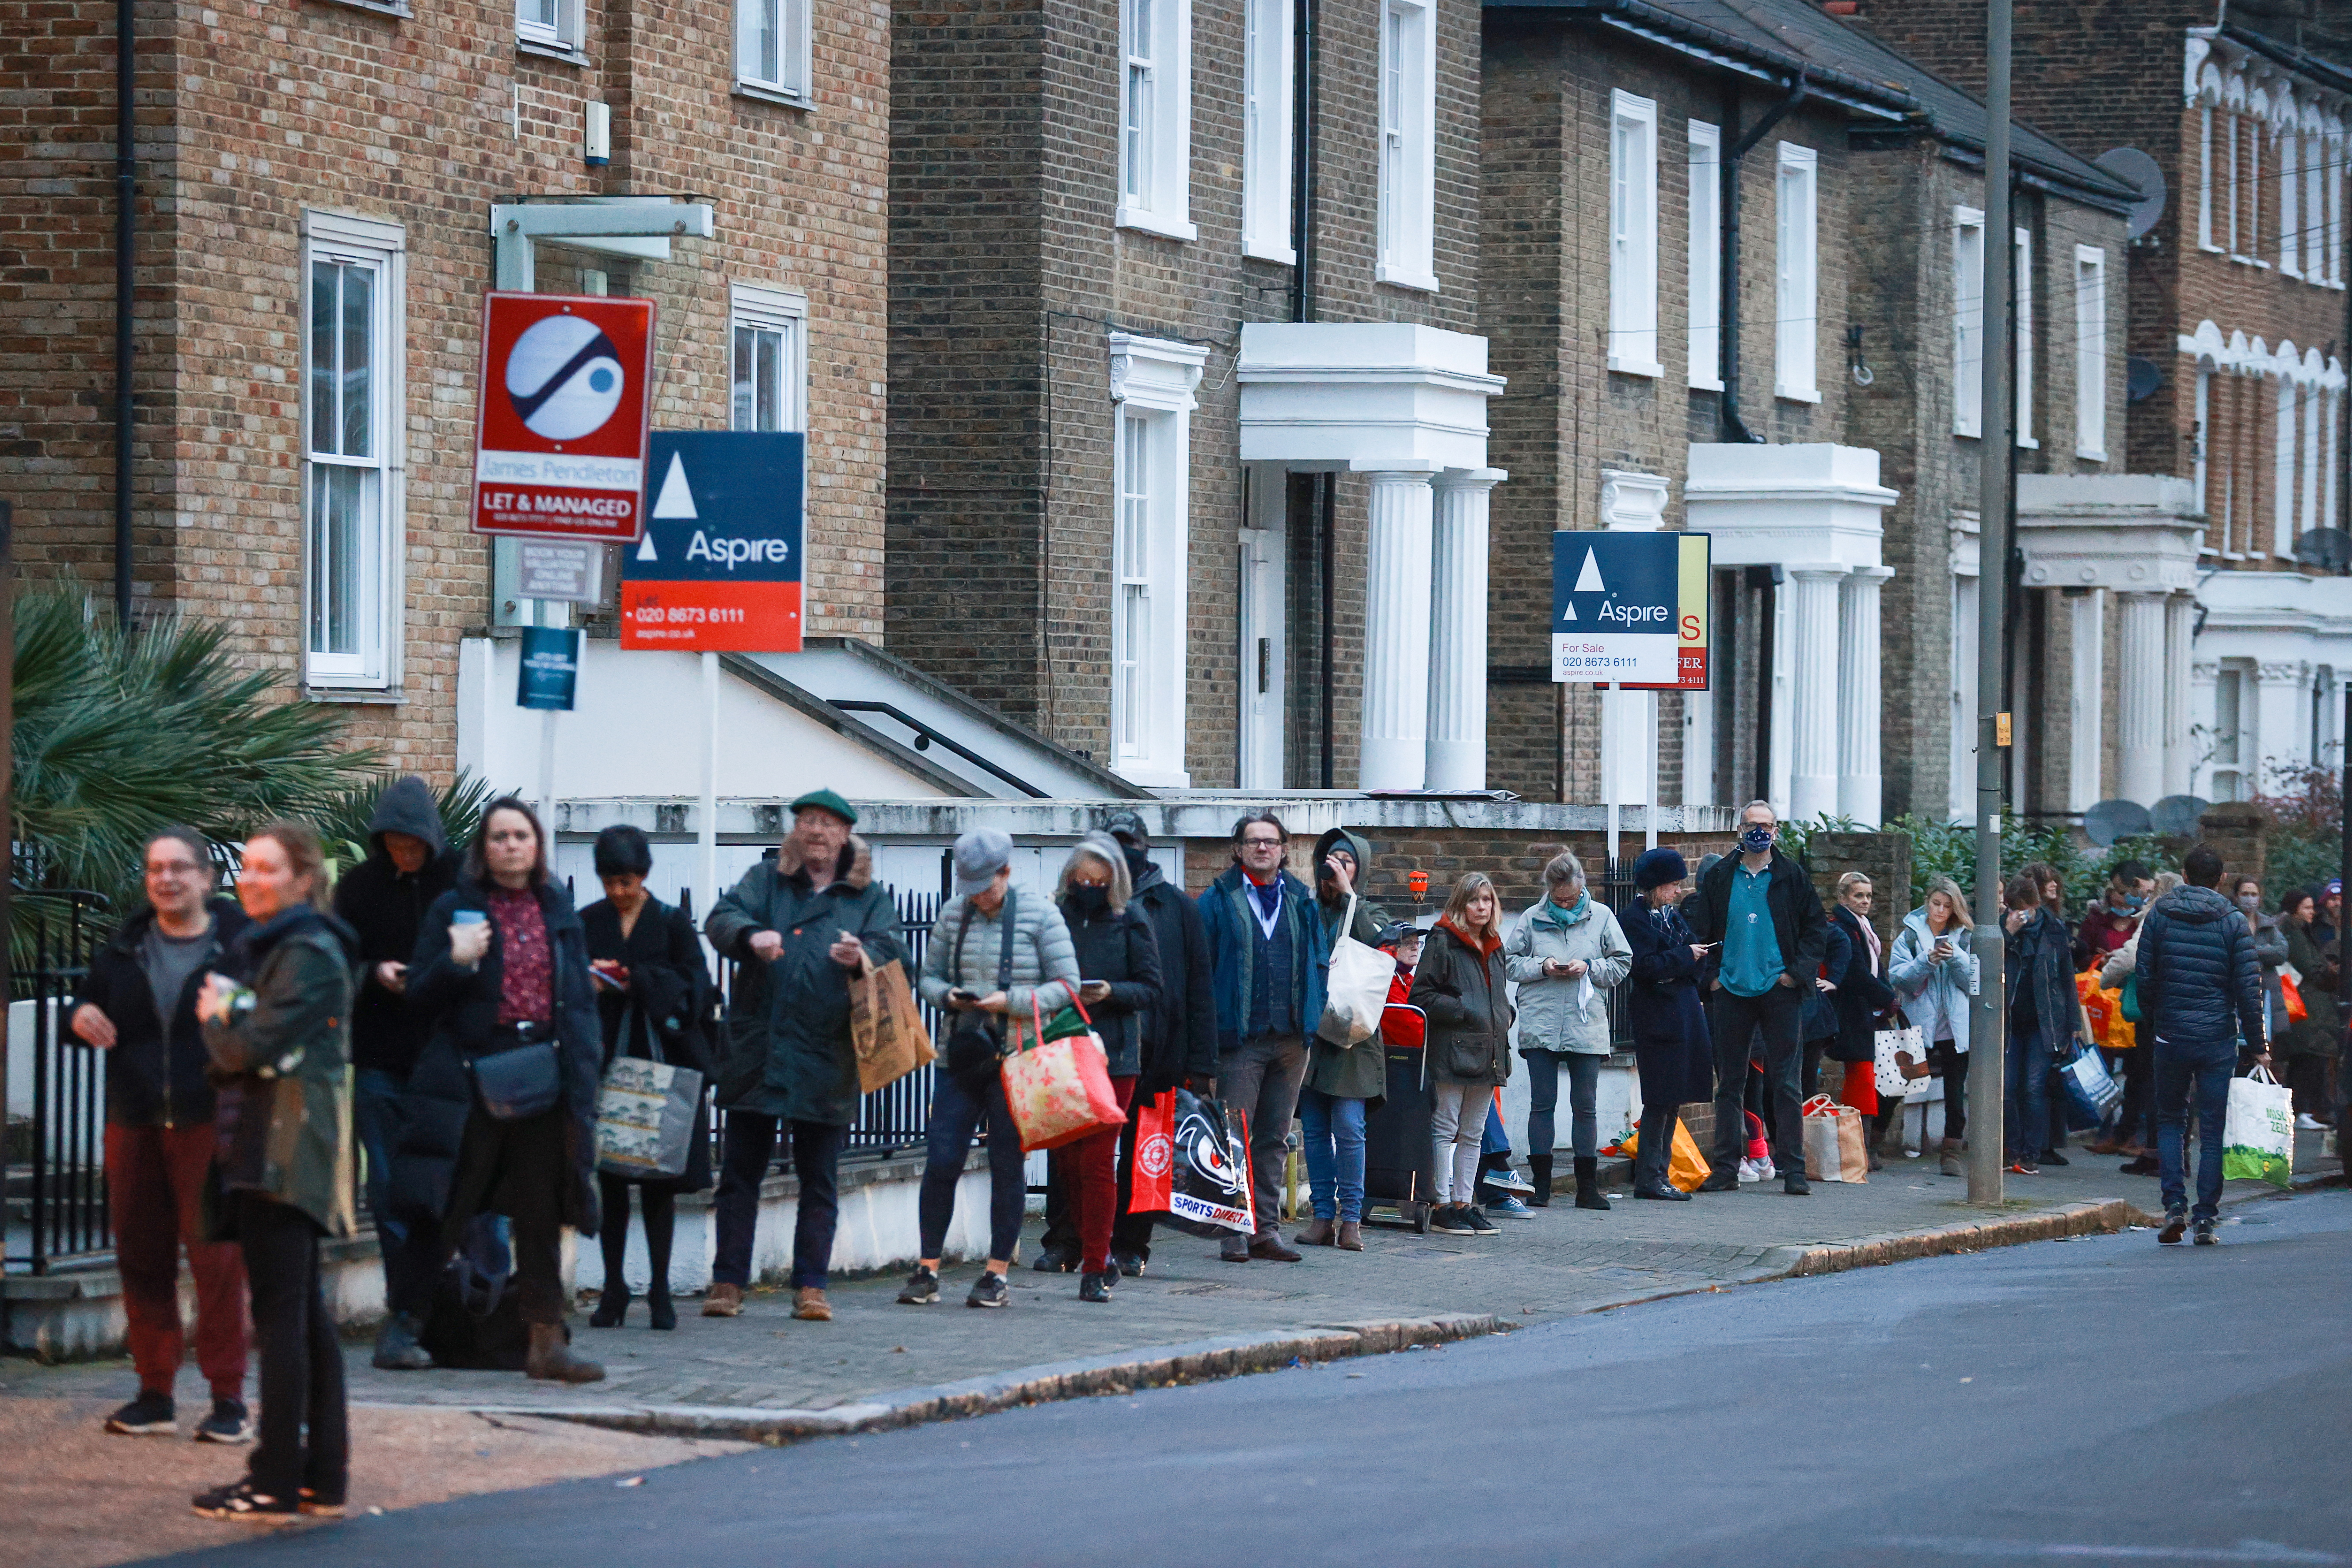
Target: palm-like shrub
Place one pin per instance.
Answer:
(118, 735)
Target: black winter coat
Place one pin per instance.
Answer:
(2040, 954)
(1798, 924)
(1820, 1014)
(1120, 949)
(386, 908)
(1863, 997)
(1462, 991)
(153, 1078)
(1180, 1036)
(1671, 1045)
(670, 1000)
(2198, 982)
(463, 1005)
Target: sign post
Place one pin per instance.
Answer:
(1616, 619)
(560, 455)
(1695, 570)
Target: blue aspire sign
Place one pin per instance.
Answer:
(1615, 606)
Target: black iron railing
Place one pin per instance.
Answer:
(56, 1180)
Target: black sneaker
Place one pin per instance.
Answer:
(989, 1290)
(1451, 1219)
(922, 1289)
(148, 1415)
(226, 1424)
(1475, 1219)
(2175, 1223)
(1057, 1260)
(323, 1504)
(239, 1501)
(1096, 1287)
(2052, 1157)
(1128, 1265)
(2205, 1236)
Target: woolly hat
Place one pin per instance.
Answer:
(1658, 867)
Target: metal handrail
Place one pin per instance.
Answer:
(928, 734)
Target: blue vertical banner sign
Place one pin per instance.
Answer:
(551, 667)
(1616, 601)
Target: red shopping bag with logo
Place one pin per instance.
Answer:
(1192, 1165)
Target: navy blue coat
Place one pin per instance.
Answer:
(1862, 998)
(1662, 1007)
(2199, 984)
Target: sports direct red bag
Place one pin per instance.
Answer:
(1191, 1166)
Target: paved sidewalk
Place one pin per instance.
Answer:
(877, 1355)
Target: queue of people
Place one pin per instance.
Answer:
(264, 1056)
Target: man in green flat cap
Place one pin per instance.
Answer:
(797, 927)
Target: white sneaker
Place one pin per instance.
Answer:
(2306, 1122)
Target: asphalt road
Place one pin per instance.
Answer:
(2100, 1400)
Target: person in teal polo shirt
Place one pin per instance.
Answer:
(1759, 912)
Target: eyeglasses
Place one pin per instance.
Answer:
(174, 868)
(1261, 843)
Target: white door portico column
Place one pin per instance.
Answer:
(2179, 755)
(2148, 699)
(1813, 722)
(1458, 631)
(1395, 745)
(2086, 711)
(1859, 779)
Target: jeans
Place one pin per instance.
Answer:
(958, 1112)
(1334, 1128)
(375, 1125)
(301, 1361)
(154, 1191)
(2025, 1097)
(2201, 1070)
(1096, 1194)
(1543, 1099)
(1733, 1020)
(1458, 1130)
(750, 1140)
(1260, 1079)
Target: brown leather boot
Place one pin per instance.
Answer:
(1318, 1233)
(810, 1306)
(723, 1301)
(552, 1358)
(1350, 1238)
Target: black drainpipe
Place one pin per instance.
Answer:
(1305, 119)
(1728, 282)
(126, 37)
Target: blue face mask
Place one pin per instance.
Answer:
(1757, 839)
(2133, 900)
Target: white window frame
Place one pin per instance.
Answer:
(2334, 164)
(2024, 364)
(1968, 322)
(1265, 131)
(1152, 381)
(2282, 475)
(2201, 443)
(1705, 263)
(2310, 500)
(1796, 271)
(2205, 112)
(1155, 118)
(785, 25)
(761, 307)
(1406, 146)
(375, 666)
(2313, 207)
(2289, 200)
(1633, 235)
(2256, 116)
(560, 35)
(2091, 352)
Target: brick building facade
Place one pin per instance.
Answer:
(1092, 212)
(1842, 537)
(313, 193)
(2238, 319)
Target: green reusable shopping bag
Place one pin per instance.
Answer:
(2258, 1138)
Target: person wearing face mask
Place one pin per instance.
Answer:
(2270, 947)
(1119, 979)
(2116, 915)
(1762, 910)
(1671, 1045)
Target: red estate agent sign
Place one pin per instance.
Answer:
(560, 442)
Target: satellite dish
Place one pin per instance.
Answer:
(2112, 819)
(2142, 379)
(2176, 815)
(2327, 549)
(2135, 167)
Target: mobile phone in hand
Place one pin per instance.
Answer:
(961, 994)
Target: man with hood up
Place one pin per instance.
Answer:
(383, 898)
(2200, 991)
